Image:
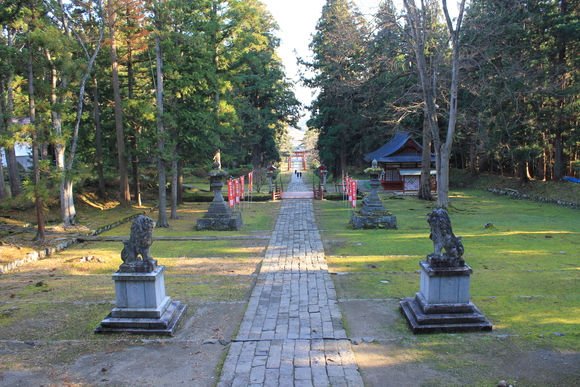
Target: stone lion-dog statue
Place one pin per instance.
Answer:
(443, 237)
(139, 241)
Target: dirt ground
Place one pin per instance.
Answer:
(189, 358)
(386, 357)
(389, 357)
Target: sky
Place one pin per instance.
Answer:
(297, 20)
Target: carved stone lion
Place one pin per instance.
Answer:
(443, 237)
(139, 241)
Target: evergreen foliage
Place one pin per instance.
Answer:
(518, 84)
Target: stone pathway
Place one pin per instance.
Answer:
(292, 333)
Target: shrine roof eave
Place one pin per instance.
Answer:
(402, 159)
(391, 147)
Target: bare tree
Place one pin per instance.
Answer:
(425, 182)
(417, 21)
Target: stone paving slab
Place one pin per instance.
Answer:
(292, 333)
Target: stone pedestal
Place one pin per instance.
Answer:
(219, 216)
(142, 305)
(443, 304)
(375, 221)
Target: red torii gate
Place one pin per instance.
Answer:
(302, 154)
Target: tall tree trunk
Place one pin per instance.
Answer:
(40, 232)
(3, 190)
(174, 190)
(256, 156)
(425, 182)
(99, 140)
(558, 156)
(135, 170)
(564, 80)
(473, 157)
(67, 208)
(162, 219)
(66, 185)
(180, 182)
(134, 129)
(125, 194)
(11, 162)
(542, 167)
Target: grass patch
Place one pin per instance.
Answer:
(208, 288)
(377, 285)
(526, 281)
(257, 217)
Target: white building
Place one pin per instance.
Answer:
(23, 155)
(23, 149)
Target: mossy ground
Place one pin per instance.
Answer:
(56, 303)
(526, 281)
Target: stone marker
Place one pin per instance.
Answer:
(443, 304)
(373, 214)
(141, 303)
(219, 216)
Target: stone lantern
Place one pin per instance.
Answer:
(219, 216)
(372, 204)
(271, 170)
(373, 214)
(323, 172)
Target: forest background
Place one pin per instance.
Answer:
(137, 92)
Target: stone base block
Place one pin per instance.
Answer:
(232, 223)
(367, 222)
(422, 322)
(443, 303)
(448, 285)
(165, 325)
(141, 291)
(154, 313)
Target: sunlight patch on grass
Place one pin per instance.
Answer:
(373, 263)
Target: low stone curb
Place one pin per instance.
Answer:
(511, 192)
(36, 255)
(176, 238)
(44, 253)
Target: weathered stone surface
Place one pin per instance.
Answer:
(140, 294)
(165, 325)
(366, 222)
(135, 254)
(421, 322)
(232, 223)
(142, 305)
(443, 304)
(219, 216)
(444, 239)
